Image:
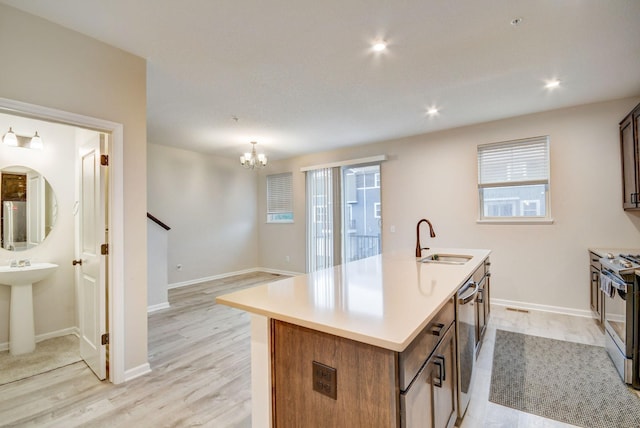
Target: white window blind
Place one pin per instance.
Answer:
(513, 180)
(511, 162)
(279, 198)
(322, 223)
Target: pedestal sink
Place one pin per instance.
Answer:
(22, 337)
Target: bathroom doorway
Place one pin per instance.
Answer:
(110, 273)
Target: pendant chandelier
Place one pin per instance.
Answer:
(253, 160)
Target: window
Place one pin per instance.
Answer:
(279, 198)
(376, 210)
(320, 214)
(513, 180)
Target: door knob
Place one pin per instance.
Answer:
(77, 262)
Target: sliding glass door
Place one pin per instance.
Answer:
(362, 212)
(343, 215)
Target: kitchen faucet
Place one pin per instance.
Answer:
(431, 232)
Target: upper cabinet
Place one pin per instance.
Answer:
(629, 141)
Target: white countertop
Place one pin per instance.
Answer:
(385, 300)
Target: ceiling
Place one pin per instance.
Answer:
(299, 76)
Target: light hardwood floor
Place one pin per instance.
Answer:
(199, 353)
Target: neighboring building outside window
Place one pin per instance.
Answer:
(279, 198)
(513, 180)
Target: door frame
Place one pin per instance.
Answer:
(115, 268)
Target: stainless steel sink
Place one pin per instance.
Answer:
(446, 259)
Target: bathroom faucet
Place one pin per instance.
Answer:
(431, 232)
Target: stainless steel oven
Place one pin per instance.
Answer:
(621, 315)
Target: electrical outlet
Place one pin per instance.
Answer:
(325, 379)
(287, 259)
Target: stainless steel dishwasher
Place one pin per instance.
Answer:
(466, 317)
(427, 375)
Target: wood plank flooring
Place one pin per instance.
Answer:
(200, 360)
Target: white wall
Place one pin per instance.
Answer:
(58, 68)
(157, 277)
(435, 176)
(210, 205)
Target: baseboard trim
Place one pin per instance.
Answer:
(228, 274)
(45, 336)
(542, 308)
(279, 272)
(158, 307)
(208, 278)
(136, 372)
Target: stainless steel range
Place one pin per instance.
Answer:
(622, 314)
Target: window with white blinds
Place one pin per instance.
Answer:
(279, 198)
(513, 179)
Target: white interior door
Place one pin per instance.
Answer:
(91, 273)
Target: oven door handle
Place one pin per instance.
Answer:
(616, 282)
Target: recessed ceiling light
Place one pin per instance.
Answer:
(552, 84)
(379, 46)
(432, 111)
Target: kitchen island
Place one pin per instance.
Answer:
(370, 310)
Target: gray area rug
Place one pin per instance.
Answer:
(49, 354)
(565, 381)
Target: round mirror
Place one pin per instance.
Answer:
(29, 208)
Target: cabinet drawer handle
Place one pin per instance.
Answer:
(442, 371)
(437, 329)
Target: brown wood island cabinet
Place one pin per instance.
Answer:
(369, 343)
(322, 380)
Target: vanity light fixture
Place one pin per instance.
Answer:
(432, 111)
(253, 160)
(14, 140)
(10, 138)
